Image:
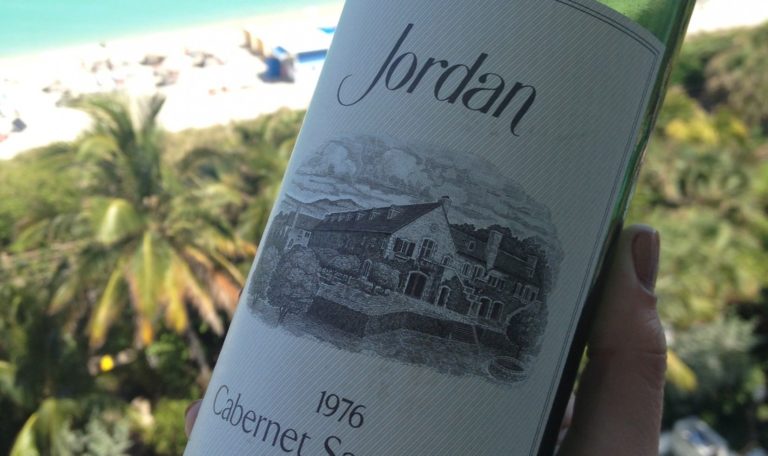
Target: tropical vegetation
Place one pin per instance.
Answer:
(122, 255)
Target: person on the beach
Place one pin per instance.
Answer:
(617, 410)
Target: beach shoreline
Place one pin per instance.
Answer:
(282, 15)
(227, 90)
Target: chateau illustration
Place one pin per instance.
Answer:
(477, 273)
(363, 253)
(383, 275)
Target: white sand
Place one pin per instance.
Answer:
(225, 89)
(216, 94)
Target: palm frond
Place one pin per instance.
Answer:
(25, 444)
(114, 219)
(679, 374)
(225, 292)
(233, 271)
(107, 309)
(145, 273)
(201, 300)
(175, 309)
(148, 113)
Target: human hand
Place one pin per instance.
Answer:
(619, 401)
(617, 410)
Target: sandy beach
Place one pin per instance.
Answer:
(206, 73)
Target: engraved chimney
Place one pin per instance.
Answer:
(492, 249)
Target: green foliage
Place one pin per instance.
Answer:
(268, 142)
(173, 368)
(45, 431)
(105, 434)
(148, 241)
(691, 64)
(166, 435)
(108, 241)
(37, 184)
(697, 189)
(719, 353)
(736, 78)
(704, 187)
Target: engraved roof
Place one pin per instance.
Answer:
(306, 222)
(506, 261)
(387, 220)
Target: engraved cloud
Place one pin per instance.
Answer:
(375, 171)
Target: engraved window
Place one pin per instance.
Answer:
(442, 297)
(530, 293)
(485, 307)
(393, 212)
(366, 269)
(478, 271)
(496, 310)
(470, 245)
(493, 281)
(465, 269)
(403, 247)
(360, 215)
(502, 284)
(447, 260)
(518, 289)
(427, 248)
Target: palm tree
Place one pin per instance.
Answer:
(151, 243)
(267, 145)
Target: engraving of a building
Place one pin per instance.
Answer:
(296, 229)
(415, 251)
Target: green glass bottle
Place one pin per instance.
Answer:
(668, 21)
(424, 285)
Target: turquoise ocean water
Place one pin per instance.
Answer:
(32, 25)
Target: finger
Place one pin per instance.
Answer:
(190, 416)
(568, 415)
(619, 401)
(567, 420)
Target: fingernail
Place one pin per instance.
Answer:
(645, 255)
(190, 415)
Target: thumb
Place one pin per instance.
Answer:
(619, 400)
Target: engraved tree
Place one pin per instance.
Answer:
(294, 282)
(346, 264)
(526, 327)
(264, 272)
(385, 276)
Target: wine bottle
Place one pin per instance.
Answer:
(423, 285)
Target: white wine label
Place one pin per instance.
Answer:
(437, 232)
